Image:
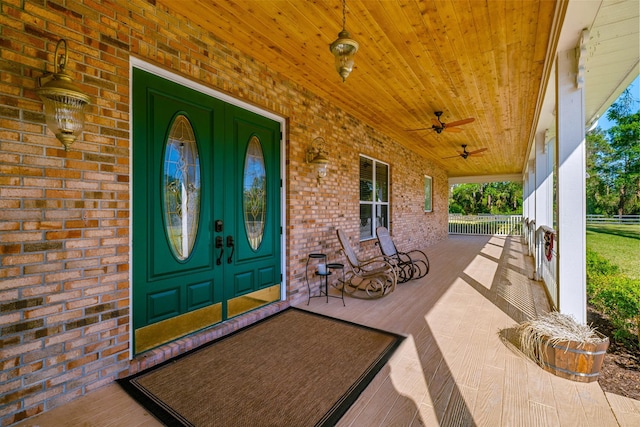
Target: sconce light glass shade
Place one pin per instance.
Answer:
(64, 102)
(321, 163)
(317, 156)
(344, 49)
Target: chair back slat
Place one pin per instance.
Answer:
(387, 247)
(346, 248)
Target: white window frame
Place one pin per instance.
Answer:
(375, 203)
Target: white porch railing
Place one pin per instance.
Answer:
(545, 259)
(499, 225)
(529, 234)
(541, 242)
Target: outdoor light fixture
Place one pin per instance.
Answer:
(344, 48)
(63, 101)
(317, 155)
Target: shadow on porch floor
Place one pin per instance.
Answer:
(452, 370)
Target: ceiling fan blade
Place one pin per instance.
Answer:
(436, 123)
(460, 122)
(452, 130)
(451, 157)
(413, 130)
(474, 152)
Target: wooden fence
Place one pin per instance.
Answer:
(619, 219)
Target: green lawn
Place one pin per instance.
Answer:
(618, 243)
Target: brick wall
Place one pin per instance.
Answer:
(65, 216)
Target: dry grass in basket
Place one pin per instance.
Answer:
(553, 328)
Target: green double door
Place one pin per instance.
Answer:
(206, 210)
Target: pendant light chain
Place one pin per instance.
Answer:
(344, 14)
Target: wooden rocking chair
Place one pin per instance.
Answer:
(409, 265)
(371, 278)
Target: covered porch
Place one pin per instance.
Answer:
(75, 268)
(452, 369)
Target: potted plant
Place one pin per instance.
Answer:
(564, 347)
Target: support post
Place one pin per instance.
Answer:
(533, 195)
(544, 194)
(571, 167)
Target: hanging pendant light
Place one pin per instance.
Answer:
(344, 48)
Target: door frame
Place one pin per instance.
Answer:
(168, 75)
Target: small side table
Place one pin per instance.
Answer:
(336, 266)
(321, 259)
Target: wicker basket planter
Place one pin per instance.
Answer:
(563, 347)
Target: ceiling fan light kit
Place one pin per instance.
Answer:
(439, 126)
(465, 154)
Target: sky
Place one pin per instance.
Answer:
(605, 124)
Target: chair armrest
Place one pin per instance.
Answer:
(377, 260)
(416, 254)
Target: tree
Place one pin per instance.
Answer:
(601, 200)
(498, 198)
(613, 162)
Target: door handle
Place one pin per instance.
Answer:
(220, 246)
(232, 246)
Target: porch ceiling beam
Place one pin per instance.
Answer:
(484, 179)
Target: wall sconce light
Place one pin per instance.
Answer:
(63, 101)
(317, 155)
(344, 48)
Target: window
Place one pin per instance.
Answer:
(181, 179)
(374, 196)
(254, 201)
(428, 194)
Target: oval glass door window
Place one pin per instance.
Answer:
(181, 181)
(255, 193)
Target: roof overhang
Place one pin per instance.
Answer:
(612, 53)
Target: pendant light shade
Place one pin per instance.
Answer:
(344, 49)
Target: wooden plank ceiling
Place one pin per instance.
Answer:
(467, 58)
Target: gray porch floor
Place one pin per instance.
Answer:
(451, 370)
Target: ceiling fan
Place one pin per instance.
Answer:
(439, 126)
(464, 153)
